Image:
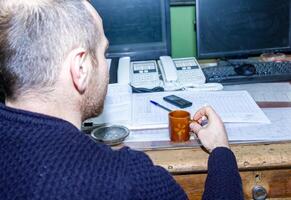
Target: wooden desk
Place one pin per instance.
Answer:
(268, 165)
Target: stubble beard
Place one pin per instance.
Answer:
(93, 102)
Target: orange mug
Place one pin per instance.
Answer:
(179, 121)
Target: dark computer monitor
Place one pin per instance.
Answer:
(240, 28)
(136, 28)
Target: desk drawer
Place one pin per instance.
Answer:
(277, 182)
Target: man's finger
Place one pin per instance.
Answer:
(205, 111)
(195, 127)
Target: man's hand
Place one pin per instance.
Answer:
(213, 134)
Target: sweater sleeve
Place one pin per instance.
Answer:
(152, 182)
(223, 180)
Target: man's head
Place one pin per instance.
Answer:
(53, 49)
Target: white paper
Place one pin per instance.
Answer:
(136, 112)
(279, 129)
(232, 106)
(267, 92)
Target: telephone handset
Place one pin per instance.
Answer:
(168, 69)
(181, 72)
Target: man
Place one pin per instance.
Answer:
(55, 76)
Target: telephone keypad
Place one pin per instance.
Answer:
(186, 72)
(145, 74)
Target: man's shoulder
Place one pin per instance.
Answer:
(135, 156)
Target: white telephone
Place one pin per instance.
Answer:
(181, 73)
(144, 74)
(139, 74)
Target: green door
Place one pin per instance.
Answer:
(183, 32)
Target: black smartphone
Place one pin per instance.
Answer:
(177, 101)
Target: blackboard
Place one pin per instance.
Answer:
(182, 2)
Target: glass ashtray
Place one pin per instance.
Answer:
(110, 134)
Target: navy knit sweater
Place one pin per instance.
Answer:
(42, 157)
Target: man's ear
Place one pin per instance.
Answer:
(80, 69)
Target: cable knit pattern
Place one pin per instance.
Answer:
(42, 157)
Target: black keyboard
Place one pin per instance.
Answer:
(225, 73)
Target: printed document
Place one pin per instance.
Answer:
(265, 92)
(232, 106)
(278, 130)
(136, 112)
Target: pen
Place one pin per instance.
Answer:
(203, 122)
(161, 106)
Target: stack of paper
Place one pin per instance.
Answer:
(136, 111)
(278, 130)
(232, 106)
(266, 92)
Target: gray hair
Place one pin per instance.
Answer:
(36, 36)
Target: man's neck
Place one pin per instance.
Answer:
(62, 110)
